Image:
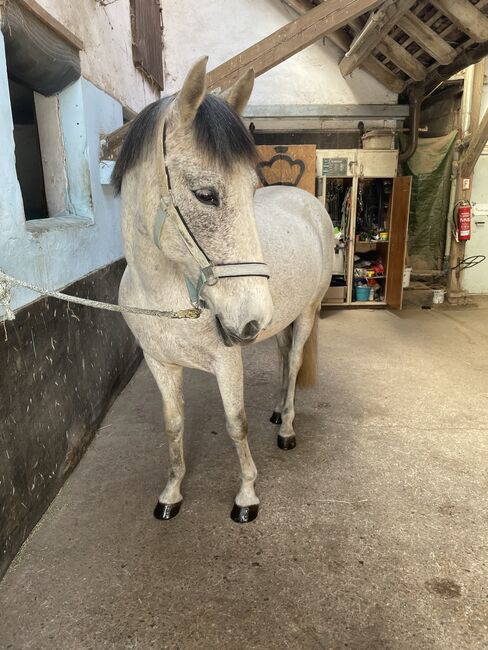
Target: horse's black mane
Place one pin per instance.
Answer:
(217, 128)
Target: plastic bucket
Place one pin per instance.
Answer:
(361, 292)
(438, 296)
(406, 276)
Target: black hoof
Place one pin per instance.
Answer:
(166, 511)
(275, 418)
(244, 514)
(288, 442)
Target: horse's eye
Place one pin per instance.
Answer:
(207, 196)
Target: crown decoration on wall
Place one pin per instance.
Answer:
(280, 167)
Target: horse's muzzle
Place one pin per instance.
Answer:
(248, 334)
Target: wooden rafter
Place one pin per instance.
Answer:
(475, 147)
(341, 39)
(289, 39)
(427, 38)
(269, 52)
(402, 59)
(376, 29)
(466, 16)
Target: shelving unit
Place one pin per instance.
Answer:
(365, 197)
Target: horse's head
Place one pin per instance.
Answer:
(210, 158)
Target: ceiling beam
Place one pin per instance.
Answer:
(268, 53)
(401, 58)
(341, 39)
(465, 15)
(377, 27)
(289, 39)
(475, 147)
(328, 111)
(427, 39)
(440, 74)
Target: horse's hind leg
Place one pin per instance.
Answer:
(231, 385)
(170, 382)
(302, 330)
(284, 339)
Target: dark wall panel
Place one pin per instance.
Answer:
(60, 368)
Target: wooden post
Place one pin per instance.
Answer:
(466, 167)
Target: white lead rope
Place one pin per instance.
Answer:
(7, 282)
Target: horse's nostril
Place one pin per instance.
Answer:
(251, 330)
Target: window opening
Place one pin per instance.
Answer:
(28, 160)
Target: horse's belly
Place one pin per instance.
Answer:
(298, 249)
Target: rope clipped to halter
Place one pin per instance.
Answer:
(210, 273)
(7, 282)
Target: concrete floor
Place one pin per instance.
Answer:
(372, 533)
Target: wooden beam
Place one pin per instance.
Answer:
(378, 26)
(403, 59)
(375, 68)
(465, 15)
(289, 39)
(475, 147)
(298, 6)
(45, 17)
(267, 53)
(427, 39)
(478, 84)
(341, 39)
(462, 61)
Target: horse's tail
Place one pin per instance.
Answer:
(307, 375)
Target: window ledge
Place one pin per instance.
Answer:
(39, 226)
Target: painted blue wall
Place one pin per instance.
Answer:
(57, 251)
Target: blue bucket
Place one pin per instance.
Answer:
(361, 292)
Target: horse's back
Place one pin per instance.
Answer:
(297, 237)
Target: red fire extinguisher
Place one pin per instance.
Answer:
(463, 221)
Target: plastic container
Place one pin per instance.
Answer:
(379, 139)
(407, 271)
(361, 291)
(438, 296)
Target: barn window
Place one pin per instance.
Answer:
(28, 160)
(147, 43)
(41, 62)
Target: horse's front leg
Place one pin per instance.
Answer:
(170, 382)
(230, 378)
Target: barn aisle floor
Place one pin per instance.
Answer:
(372, 533)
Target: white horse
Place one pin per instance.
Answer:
(196, 230)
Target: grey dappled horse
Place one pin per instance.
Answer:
(196, 230)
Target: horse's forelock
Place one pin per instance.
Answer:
(218, 131)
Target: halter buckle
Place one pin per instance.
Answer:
(209, 275)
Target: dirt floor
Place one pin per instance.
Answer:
(372, 533)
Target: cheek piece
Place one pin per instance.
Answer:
(210, 273)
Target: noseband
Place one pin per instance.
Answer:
(210, 273)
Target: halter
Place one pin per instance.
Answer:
(210, 273)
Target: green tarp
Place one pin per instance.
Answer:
(430, 168)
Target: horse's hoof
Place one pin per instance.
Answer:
(275, 418)
(244, 514)
(287, 442)
(166, 511)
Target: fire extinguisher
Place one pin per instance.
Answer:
(463, 220)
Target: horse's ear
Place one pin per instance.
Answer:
(238, 94)
(193, 91)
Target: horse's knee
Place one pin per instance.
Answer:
(173, 424)
(237, 424)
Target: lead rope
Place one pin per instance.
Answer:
(7, 282)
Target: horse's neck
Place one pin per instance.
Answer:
(151, 271)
